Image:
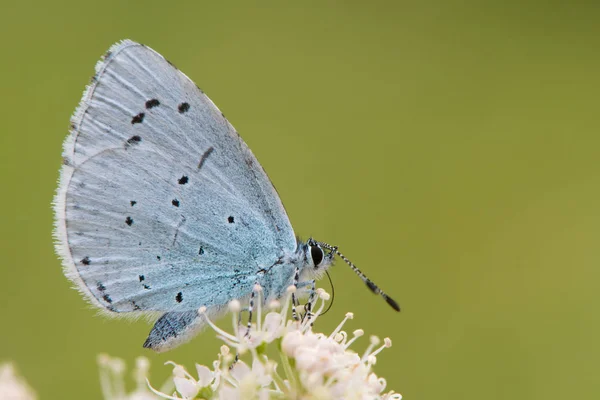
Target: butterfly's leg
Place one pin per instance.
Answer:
(311, 300)
(249, 325)
(250, 309)
(294, 300)
(237, 354)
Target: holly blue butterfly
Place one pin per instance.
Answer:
(162, 208)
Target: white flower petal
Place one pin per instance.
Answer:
(187, 388)
(290, 342)
(229, 393)
(272, 324)
(239, 371)
(12, 386)
(263, 394)
(205, 375)
(259, 370)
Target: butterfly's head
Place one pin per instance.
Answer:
(316, 259)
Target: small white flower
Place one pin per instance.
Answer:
(112, 379)
(12, 386)
(189, 387)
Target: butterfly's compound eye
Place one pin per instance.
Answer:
(317, 255)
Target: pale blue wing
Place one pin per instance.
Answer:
(161, 205)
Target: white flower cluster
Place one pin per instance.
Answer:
(313, 365)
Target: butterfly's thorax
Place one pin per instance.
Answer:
(278, 277)
(284, 272)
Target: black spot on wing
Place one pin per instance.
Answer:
(205, 155)
(134, 140)
(183, 180)
(129, 221)
(138, 118)
(183, 107)
(179, 297)
(152, 103)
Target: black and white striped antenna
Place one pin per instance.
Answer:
(370, 284)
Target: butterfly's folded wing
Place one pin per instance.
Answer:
(161, 205)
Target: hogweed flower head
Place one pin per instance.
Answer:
(309, 365)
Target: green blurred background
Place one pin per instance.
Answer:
(449, 148)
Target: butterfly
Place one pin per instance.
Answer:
(162, 208)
